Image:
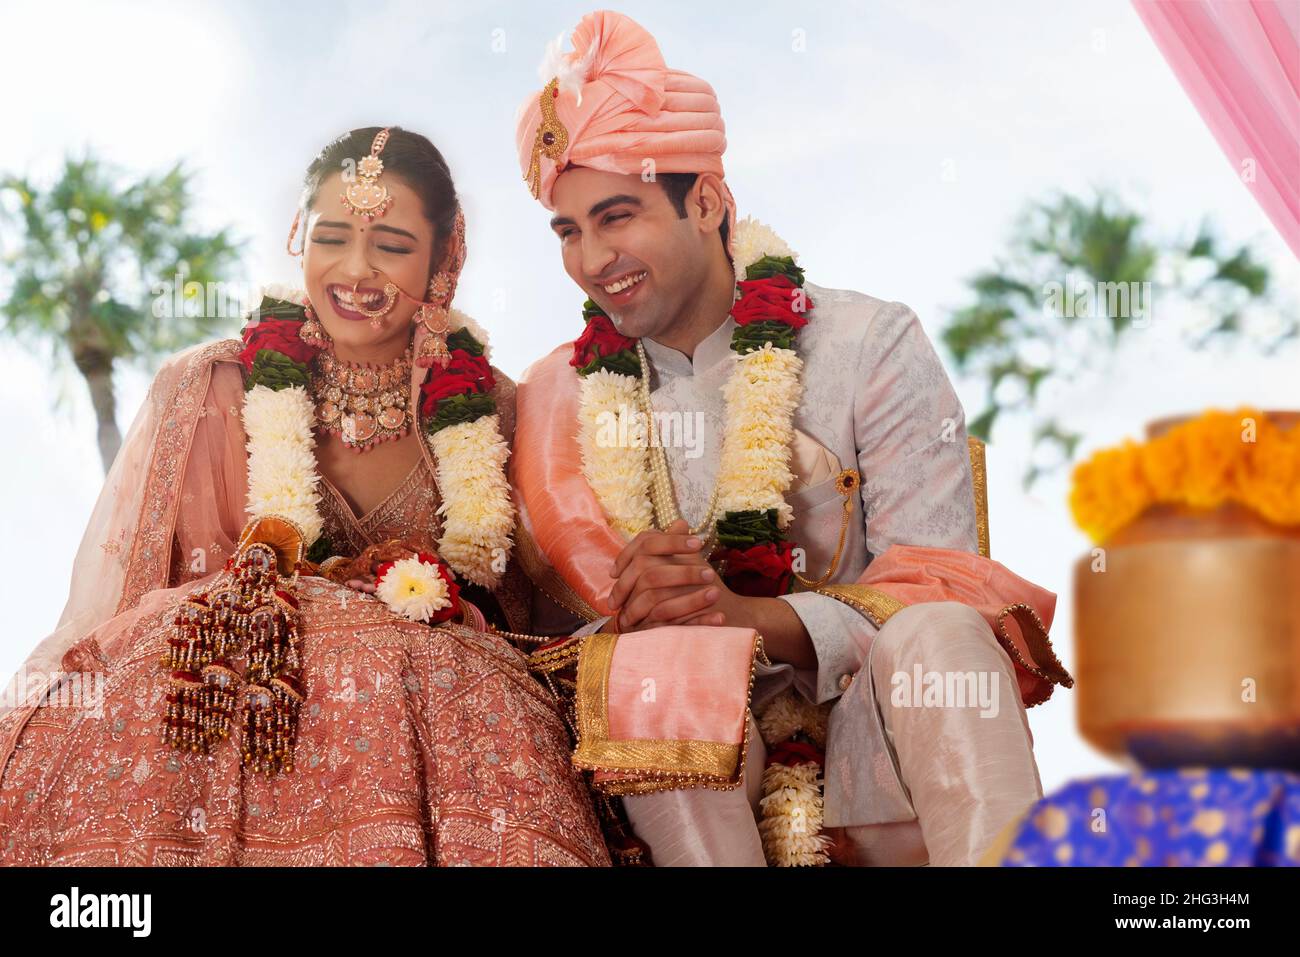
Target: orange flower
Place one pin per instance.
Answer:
(1202, 463)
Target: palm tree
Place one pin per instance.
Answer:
(89, 256)
(1022, 329)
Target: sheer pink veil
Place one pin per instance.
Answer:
(180, 474)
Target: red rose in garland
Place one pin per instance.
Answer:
(465, 374)
(771, 300)
(793, 752)
(598, 340)
(760, 571)
(278, 335)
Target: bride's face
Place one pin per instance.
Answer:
(343, 250)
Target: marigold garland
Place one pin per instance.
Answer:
(1204, 463)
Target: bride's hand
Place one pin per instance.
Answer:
(366, 585)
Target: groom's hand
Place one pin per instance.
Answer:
(662, 578)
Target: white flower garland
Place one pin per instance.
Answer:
(762, 393)
(616, 467)
(282, 473)
(792, 816)
(478, 513)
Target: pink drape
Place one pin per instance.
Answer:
(1239, 61)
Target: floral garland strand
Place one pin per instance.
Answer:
(761, 395)
(460, 423)
(463, 429)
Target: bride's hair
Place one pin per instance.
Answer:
(408, 156)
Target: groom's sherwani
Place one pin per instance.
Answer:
(876, 399)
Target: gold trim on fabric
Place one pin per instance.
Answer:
(547, 579)
(648, 765)
(980, 483)
(556, 657)
(1040, 646)
(150, 556)
(872, 602)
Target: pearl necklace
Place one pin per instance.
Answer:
(361, 403)
(663, 496)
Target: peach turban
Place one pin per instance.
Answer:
(611, 104)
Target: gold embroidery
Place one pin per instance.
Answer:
(878, 606)
(979, 482)
(148, 565)
(547, 579)
(647, 765)
(1040, 646)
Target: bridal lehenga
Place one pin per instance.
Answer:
(413, 743)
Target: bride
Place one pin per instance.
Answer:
(277, 648)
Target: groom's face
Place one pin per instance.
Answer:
(624, 243)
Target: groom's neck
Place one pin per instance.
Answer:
(705, 310)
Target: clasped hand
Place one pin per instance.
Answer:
(663, 578)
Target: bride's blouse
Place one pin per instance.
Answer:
(409, 512)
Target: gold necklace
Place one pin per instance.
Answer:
(363, 404)
(663, 496)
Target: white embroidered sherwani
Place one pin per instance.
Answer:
(910, 784)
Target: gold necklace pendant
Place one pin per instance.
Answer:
(361, 403)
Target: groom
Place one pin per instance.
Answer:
(627, 155)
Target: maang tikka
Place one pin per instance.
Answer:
(365, 195)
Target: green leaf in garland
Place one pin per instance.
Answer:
(276, 371)
(748, 528)
(770, 266)
(281, 309)
(624, 361)
(463, 339)
(753, 336)
(590, 309)
(320, 550)
(461, 408)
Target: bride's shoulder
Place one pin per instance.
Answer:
(219, 355)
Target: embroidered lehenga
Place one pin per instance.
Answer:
(414, 744)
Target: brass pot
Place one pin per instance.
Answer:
(1188, 643)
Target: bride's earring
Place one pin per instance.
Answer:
(312, 332)
(434, 316)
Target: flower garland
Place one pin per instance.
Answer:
(460, 423)
(1201, 463)
(251, 607)
(761, 396)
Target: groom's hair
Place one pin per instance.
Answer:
(677, 185)
(408, 156)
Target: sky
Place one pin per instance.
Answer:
(891, 143)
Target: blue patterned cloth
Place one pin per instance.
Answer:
(1226, 817)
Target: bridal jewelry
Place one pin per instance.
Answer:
(376, 315)
(361, 403)
(312, 332)
(366, 196)
(434, 314)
